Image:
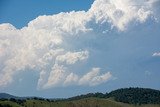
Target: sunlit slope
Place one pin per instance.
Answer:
(86, 102)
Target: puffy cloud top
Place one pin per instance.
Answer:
(45, 44)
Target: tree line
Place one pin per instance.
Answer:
(126, 95)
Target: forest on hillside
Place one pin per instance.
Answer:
(128, 95)
(136, 96)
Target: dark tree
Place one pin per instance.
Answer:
(12, 99)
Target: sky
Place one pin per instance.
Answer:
(63, 48)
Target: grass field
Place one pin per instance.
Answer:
(87, 102)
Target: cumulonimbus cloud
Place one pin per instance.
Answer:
(46, 40)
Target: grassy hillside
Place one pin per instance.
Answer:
(125, 97)
(86, 102)
(9, 104)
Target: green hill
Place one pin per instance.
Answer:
(136, 95)
(125, 97)
(86, 102)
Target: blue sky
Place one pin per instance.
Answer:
(59, 48)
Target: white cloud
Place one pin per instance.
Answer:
(121, 12)
(49, 57)
(156, 54)
(56, 77)
(89, 76)
(69, 22)
(7, 26)
(60, 77)
(72, 57)
(42, 79)
(71, 79)
(17, 55)
(45, 40)
(5, 79)
(58, 74)
(3, 45)
(93, 78)
(100, 79)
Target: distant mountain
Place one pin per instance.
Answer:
(6, 96)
